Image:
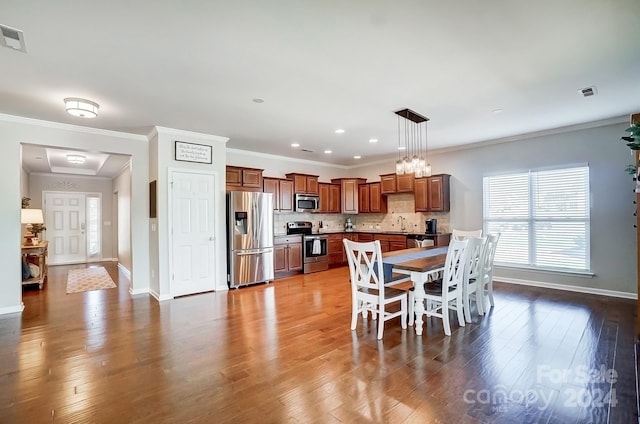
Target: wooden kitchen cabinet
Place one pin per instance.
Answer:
(246, 179)
(404, 183)
(392, 183)
(432, 193)
(388, 183)
(304, 183)
(363, 198)
(438, 193)
(335, 249)
(391, 242)
(349, 193)
(329, 197)
(282, 191)
(421, 202)
(370, 198)
(287, 254)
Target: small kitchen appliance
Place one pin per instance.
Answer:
(348, 226)
(431, 226)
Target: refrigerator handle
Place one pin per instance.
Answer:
(253, 252)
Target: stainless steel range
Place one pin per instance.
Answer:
(314, 246)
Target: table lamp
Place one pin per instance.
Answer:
(29, 217)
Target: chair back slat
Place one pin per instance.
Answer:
(454, 267)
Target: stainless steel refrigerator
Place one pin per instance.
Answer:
(249, 238)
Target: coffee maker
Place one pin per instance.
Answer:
(431, 226)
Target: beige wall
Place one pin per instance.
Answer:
(122, 191)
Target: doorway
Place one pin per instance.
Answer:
(74, 229)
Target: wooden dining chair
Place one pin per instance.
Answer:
(368, 291)
(473, 269)
(485, 281)
(462, 234)
(446, 293)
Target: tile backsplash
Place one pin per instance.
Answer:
(398, 205)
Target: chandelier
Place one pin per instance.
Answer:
(410, 141)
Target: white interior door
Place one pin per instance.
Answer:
(192, 232)
(65, 221)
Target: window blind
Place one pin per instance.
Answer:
(542, 216)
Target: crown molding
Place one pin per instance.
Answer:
(285, 158)
(70, 127)
(156, 131)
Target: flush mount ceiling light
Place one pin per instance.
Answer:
(373, 140)
(410, 125)
(81, 107)
(295, 144)
(339, 131)
(76, 158)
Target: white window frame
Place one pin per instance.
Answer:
(532, 219)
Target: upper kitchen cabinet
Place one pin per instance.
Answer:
(349, 193)
(304, 183)
(282, 191)
(392, 183)
(432, 193)
(329, 197)
(370, 198)
(244, 179)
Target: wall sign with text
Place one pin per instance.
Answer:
(192, 152)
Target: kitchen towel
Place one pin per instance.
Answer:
(317, 248)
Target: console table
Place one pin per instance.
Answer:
(36, 254)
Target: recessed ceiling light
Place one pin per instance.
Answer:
(339, 131)
(258, 100)
(373, 140)
(328, 151)
(295, 144)
(81, 107)
(357, 157)
(401, 147)
(76, 158)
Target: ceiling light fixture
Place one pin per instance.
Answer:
(339, 131)
(295, 144)
(81, 107)
(357, 157)
(328, 151)
(373, 140)
(410, 140)
(76, 158)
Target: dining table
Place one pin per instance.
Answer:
(419, 263)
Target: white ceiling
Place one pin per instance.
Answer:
(323, 65)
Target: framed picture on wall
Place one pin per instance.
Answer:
(152, 199)
(193, 152)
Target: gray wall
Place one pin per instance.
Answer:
(613, 237)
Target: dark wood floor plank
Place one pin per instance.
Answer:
(283, 352)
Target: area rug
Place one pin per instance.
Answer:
(95, 278)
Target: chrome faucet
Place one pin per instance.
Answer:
(401, 221)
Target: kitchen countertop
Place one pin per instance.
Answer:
(399, 233)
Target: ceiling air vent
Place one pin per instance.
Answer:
(589, 91)
(12, 38)
(307, 150)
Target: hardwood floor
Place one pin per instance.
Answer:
(283, 352)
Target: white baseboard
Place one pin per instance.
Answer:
(12, 309)
(133, 292)
(125, 271)
(566, 287)
(159, 298)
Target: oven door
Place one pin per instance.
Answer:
(315, 248)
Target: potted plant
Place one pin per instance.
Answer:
(633, 142)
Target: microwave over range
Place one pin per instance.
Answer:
(307, 203)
